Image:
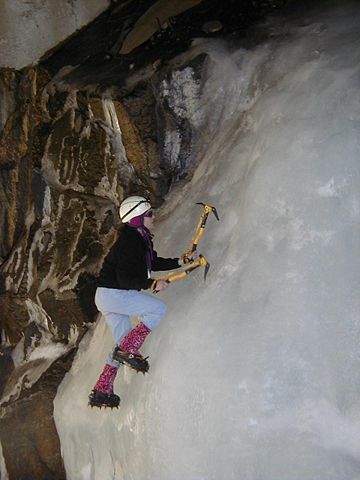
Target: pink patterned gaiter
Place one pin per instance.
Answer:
(106, 380)
(133, 340)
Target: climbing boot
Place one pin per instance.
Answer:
(100, 399)
(133, 360)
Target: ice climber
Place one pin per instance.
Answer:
(126, 271)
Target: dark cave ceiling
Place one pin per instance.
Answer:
(150, 33)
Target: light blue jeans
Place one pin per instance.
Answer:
(118, 306)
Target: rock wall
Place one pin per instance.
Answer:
(28, 29)
(67, 160)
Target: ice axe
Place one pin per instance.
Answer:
(173, 277)
(200, 228)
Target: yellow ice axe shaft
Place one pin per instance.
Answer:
(174, 277)
(200, 228)
(200, 262)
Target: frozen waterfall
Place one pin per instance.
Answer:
(255, 374)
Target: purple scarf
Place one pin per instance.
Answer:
(138, 223)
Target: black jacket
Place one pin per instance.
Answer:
(125, 265)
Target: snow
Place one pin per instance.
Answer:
(255, 374)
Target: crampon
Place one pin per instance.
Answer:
(133, 360)
(99, 399)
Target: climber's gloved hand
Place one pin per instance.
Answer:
(188, 257)
(159, 285)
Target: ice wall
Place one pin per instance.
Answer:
(254, 375)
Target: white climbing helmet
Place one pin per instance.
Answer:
(133, 207)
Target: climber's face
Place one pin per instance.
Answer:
(149, 218)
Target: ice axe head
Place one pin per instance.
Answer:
(209, 208)
(205, 264)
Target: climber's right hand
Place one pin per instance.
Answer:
(159, 285)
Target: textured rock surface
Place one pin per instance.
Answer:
(30, 28)
(29, 442)
(64, 170)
